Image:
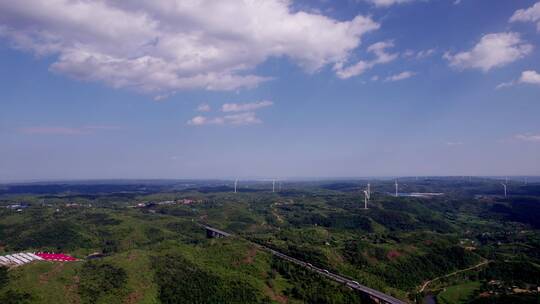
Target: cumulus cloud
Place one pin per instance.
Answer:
(493, 50)
(245, 118)
(160, 46)
(528, 137)
(241, 114)
(530, 77)
(204, 107)
(198, 121)
(242, 107)
(531, 14)
(527, 77)
(386, 3)
(400, 76)
(379, 50)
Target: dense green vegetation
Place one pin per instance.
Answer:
(159, 253)
(98, 280)
(198, 285)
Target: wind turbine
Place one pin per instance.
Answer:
(273, 185)
(396, 188)
(367, 196)
(235, 184)
(504, 185)
(369, 189)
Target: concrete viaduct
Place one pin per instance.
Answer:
(372, 294)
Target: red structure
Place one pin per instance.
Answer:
(59, 257)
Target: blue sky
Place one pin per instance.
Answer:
(154, 89)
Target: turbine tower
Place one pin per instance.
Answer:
(273, 185)
(366, 198)
(504, 185)
(396, 188)
(235, 184)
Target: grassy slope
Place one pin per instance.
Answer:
(47, 282)
(57, 282)
(461, 293)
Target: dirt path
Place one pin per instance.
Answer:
(453, 273)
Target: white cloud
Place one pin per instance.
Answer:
(531, 14)
(161, 97)
(381, 57)
(419, 54)
(353, 70)
(198, 121)
(245, 118)
(204, 107)
(493, 50)
(379, 49)
(241, 114)
(528, 137)
(400, 76)
(386, 3)
(530, 77)
(160, 46)
(505, 85)
(425, 53)
(243, 107)
(527, 77)
(454, 143)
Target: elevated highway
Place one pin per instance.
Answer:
(373, 294)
